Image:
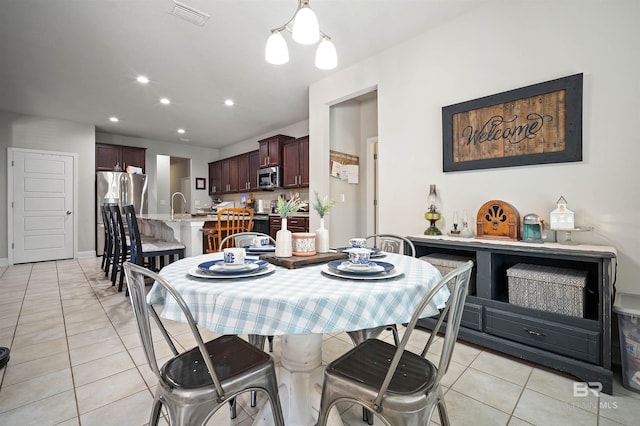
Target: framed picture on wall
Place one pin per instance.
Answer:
(537, 124)
(201, 183)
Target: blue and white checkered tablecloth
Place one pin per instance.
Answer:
(298, 301)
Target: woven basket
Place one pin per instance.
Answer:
(547, 288)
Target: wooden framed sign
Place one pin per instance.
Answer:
(536, 124)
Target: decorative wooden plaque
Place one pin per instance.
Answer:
(536, 124)
(498, 220)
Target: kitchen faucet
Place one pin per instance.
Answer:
(172, 197)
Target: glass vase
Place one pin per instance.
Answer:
(283, 241)
(322, 238)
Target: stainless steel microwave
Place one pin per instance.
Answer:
(269, 178)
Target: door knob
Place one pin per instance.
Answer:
(68, 212)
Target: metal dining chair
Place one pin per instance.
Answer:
(121, 249)
(194, 384)
(390, 243)
(244, 239)
(401, 386)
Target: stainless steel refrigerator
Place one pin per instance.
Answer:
(121, 188)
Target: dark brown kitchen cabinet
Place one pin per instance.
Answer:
(294, 224)
(295, 161)
(215, 178)
(271, 150)
(254, 165)
(230, 174)
(108, 156)
(248, 165)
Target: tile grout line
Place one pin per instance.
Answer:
(136, 367)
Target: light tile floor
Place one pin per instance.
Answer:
(76, 360)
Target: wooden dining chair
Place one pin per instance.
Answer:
(194, 384)
(232, 221)
(401, 386)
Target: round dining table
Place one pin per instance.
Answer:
(300, 305)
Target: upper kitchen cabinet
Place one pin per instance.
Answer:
(215, 178)
(229, 180)
(248, 165)
(295, 160)
(270, 150)
(254, 165)
(108, 156)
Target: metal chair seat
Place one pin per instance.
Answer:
(196, 383)
(401, 386)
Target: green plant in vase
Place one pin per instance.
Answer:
(322, 206)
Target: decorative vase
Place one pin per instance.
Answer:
(322, 238)
(283, 241)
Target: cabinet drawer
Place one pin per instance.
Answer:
(300, 222)
(548, 335)
(472, 316)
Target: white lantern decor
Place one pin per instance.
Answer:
(562, 218)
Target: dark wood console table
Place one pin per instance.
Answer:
(580, 346)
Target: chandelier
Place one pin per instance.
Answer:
(304, 29)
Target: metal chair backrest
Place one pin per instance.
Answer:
(135, 243)
(143, 312)
(242, 239)
(453, 314)
(392, 243)
(232, 221)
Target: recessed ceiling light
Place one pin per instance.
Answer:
(181, 131)
(114, 119)
(229, 102)
(142, 79)
(165, 101)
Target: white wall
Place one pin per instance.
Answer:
(28, 132)
(502, 46)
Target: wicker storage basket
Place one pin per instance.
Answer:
(446, 263)
(547, 288)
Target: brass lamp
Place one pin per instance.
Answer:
(433, 215)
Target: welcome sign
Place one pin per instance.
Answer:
(536, 124)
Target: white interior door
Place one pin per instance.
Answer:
(42, 206)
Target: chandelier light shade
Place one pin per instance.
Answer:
(305, 26)
(277, 52)
(304, 29)
(326, 56)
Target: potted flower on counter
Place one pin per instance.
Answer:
(283, 236)
(322, 206)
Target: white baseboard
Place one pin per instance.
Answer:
(86, 254)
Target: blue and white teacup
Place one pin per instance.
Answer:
(358, 242)
(261, 241)
(234, 256)
(359, 256)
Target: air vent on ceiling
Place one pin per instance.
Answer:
(190, 14)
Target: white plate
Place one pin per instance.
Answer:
(195, 272)
(395, 272)
(263, 249)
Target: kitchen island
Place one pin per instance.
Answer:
(184, 228)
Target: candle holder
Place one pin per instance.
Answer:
(455, 231)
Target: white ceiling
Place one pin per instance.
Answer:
(77, 60)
